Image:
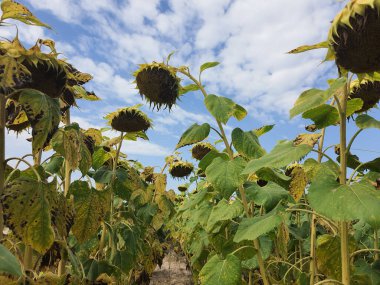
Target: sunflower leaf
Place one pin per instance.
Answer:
(223, 108)
(8, 262)
(194, 134)
(219, 271)
(208, 65)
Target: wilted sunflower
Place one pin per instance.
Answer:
(158, 83)
(367, 91)
(354, 36)
(182, 188)
(129, 119)
(199, 150)
(180, 169)
(148, 174)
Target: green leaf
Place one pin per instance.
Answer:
(274, 175)
(91, 207)
(344, 202)
(308, 100)
(208, 65)
(188, 88)
(54, 165)
(323, 116)
(43, 114)
(304, 48)
(223, 211)
(267, 196)
(368, 273)
(282, 154)
(353, 105)
(263, 130)
(223, 108)
(95, 268)
(247, 144)
(194, 134)
(225, 176)
(365, 121)
(219, 271)
(252, 228)
(8, 262)
(208, 158)
(17, 11)
(266, 246)
(99, 157)
(27, 207)
(124, 260)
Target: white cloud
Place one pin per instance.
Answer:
(145, 148)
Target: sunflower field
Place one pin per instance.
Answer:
(76, 210)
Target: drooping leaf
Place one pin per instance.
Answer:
(208, 158)
(219, 271)
(27, 207)
(365, 121)
(308, 100)
(252, 228)
(282, 154)
(225, 175)
(263, 130)
(298, 183)
(194, 134)
(308, 139)
(94, 269)
(43, 114)
(223, 108)
(223, 211)
(247, 144)
(99, 157)
(322, 116)
(54, 165)
(207, 65)
(8, 262)
(267, 196)
(188, 88)
(91, 207)
(344, 202)
(274, 175)
(14, 10)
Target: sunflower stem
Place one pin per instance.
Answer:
(2, 158)
(343, 227)
(256, 242)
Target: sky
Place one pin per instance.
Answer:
(250, 39)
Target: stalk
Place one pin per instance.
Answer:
(2, 158)
(62, 262)
(376, 244)
(343, 227)
(256, 242)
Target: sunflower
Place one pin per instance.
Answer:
(367, 91)
(129, 119)
(158, 83)
(199, 150)
(182, 188)
(354, 36)
(148, 174)
(180, 169)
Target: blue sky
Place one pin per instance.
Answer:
(250, 38)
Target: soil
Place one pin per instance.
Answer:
(173, 271)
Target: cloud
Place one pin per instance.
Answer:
(145, 148)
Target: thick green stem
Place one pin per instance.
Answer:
(376, 243)
(345, 254)
(2, 158)
(256, 242)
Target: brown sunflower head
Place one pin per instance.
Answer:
(129, 119)
(47, 76)
(158, 83)
(180, 169)
(199, 150)
(182, 188)
(367, 91)
(354, 36)
(148, 174)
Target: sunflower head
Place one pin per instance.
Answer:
(129, 119)
(182, 188)
(353, 36)
(158, 83)
(367, 91)
(199, 150)
(148, 174)
(180, 169)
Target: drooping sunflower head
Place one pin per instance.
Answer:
(148, 174)
(158, 84)
(47, 76)
(354, 36)
(182, 188)
(367, 91)
(129, 119)
(180, 169)
(199, 150)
